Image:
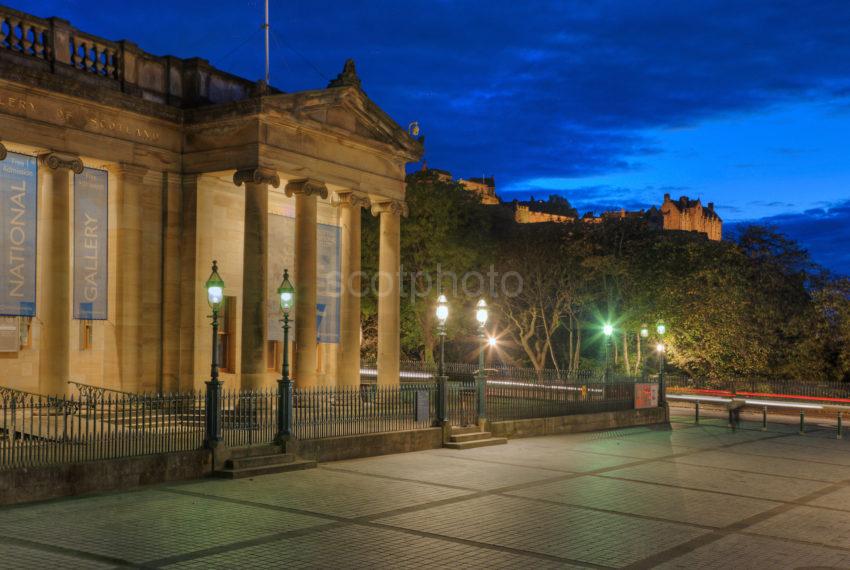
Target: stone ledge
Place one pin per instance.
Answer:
(578, 423)
(367, 445)
(49, 482)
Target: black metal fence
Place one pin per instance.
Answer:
(509, 400)
(105, 424)
(249, 417)
(43, 430)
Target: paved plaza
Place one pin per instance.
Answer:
(688, 497)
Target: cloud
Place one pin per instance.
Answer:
(823, 232)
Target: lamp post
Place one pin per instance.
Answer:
(215, 296)
(661, 329)
(608, 331)
(442, 316)
(286, 292)
(481, 315)
(644, 335)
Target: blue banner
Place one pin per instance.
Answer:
(328, 278)
(90, 244)
(18, 219)
(328, 285)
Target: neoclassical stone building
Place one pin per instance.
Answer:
(125, 174)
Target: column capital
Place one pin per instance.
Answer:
(257, 175)
(2, 151)
(55, 161)
(131, 172)
(306, 186)
(353, 200)
(397, 207)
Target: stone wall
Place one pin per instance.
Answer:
(578, 423)
(369, 445)
(41, 483)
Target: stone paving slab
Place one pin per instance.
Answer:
(353, 494)
(817, 526)
(758, 553)
(32, 558)
(772, 465)
(799, 452)
(354, 547)
(688, 497)
(566, 460)
(839, 499)
(441, 467)
(572, 533)
(677, 505)
(146, 525)
(754, 485)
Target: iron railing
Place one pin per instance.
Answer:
(462, 404)
(332, 412)
(44, 430)
(509, 400)
(251, 417)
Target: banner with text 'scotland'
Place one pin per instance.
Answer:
(19, 195)
(90, 244)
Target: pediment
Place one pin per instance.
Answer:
(347, 110)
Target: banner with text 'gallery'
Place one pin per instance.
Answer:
(90, 244)
(19, 196)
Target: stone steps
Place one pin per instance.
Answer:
(472, 437)
(260, 460)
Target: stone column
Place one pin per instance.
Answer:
(55, 251)
(305, 191)
(190, 284)
(131, 284)
(348, 368)
(255, 273)
(389, 290)
(171, 267)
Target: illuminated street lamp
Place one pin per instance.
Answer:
(481, 315)
(661, 329)
(286, 293)
(215, 297)
(442, 313)
(492, 341)
(644, 334)
(608, 331)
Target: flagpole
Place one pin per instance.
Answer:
(266, 28)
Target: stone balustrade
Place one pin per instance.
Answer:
(52, 45)
(24, 34)
(93, 55)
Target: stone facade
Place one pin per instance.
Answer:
(524, 215)
(197, 161)
(689, 215)
(484, 188)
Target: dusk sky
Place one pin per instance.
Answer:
(612, 104)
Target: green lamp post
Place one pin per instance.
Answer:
(481, 315)
(286, 293)
(442, 314)
(608, 331)
(215, 297)
(661, 329)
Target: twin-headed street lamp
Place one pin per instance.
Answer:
(215, 297)
(286, 292)
(608, 331)
(481, 315)
(442, 316)
(661, 329)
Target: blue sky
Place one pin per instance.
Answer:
(611, 103)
